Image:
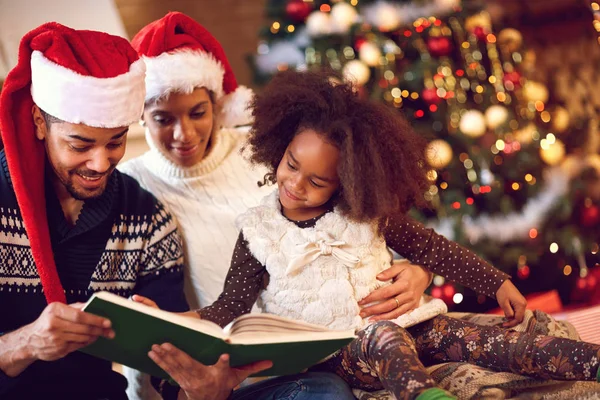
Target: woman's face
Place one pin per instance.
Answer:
(181, 125)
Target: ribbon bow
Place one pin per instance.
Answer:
(312, 250)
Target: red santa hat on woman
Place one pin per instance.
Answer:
(82, 77)
(181, 55)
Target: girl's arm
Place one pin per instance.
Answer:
(243, 284)
(423, 246)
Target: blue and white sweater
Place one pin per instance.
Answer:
(124, 242)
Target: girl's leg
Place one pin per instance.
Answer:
(384, 356)
(444, 339)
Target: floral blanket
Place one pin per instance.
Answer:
(468, 381)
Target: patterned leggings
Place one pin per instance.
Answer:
(387, 356)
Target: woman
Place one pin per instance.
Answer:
(195, 167)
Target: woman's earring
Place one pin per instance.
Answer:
(142, 123)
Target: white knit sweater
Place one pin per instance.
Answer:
(319, 274)
(205, 200)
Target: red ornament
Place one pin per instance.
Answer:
(446, 293)
(298, 10)
(590, 216)
(523, 272)
(481, 33)
(513, 77)
(429, 96)
(585, 288)
(359, 42)
(439, 46)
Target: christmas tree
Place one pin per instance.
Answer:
(503, 183)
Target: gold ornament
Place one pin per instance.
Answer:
(535, 91)
(472, 123)
(482, 19)
(525, 134)
(356, 71)
(560, 119)
(553, 153)
(370, 54)
(343, 15)
(495, 116)
(511, 39)
(438, 153)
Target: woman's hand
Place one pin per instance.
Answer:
(402, 296)
(199, 381)
(512, 303)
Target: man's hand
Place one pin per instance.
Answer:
(402, 296)
(512, 303)
(59, 330)
(198, 381)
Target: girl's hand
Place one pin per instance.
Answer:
(512, 303)
(402, 296)
(144, 300)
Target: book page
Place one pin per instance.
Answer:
(196, 324)
(267, 328)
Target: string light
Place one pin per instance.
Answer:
(553, 248)
(567, 270)
(457, 298)
(533, 233)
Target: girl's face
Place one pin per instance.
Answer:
(181, 125)
(307, 176)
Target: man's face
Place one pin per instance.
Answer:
(82, 157)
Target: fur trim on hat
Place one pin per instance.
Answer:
(98, 102)
(182, 72)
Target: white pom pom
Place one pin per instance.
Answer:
(472, 123)
(356, 71)
(495, 116)
(234, 109)
(318, 24)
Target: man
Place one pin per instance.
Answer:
(71, 225)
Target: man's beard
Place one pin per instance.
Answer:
(82, 194)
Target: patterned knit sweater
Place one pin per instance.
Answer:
(123, 242)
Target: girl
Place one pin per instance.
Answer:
(347, 170)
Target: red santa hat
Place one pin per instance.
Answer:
(85, 77)
(181, 55)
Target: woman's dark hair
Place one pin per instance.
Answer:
(382, 167)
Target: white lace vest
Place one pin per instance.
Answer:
(319, 274)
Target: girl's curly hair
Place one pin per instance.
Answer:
(382, 167)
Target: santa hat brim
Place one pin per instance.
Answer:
(185, 70)
(98, 102)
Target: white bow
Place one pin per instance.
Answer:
(312, 250)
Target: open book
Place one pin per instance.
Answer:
(292, 345)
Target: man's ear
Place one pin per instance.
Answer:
(41, 129)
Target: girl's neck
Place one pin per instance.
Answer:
(305, 214)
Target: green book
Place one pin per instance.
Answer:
(291, 345)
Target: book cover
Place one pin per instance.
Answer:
(292, 345)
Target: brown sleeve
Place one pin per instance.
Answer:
(242, 286)
(423, 246)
